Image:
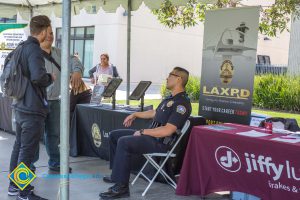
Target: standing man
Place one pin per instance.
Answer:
(52, 58)
(170, 115)
(32, 109)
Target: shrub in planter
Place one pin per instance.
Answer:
(277, 92)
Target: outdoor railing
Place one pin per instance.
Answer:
(270, 69)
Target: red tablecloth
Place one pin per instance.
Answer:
(222, 160)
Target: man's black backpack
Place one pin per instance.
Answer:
(13, 79)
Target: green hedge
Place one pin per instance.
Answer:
(277, 92)
(192, 88)
(270, 92)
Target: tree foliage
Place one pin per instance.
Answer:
(273, 19)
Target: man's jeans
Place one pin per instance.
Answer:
(29, 128)
(52, 133)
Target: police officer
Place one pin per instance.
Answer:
(169, 116)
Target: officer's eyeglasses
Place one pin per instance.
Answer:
(172, 74)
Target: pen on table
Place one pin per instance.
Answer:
(286, 137)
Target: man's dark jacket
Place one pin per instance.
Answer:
(33, 65)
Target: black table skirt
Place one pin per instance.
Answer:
(84, 139)
(5, 113)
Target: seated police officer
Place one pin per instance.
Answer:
(170, 115)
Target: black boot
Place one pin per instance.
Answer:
(117, 191)
(107, 179)
(57, 169)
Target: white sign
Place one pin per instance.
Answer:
(10, 36)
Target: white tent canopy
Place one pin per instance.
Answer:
(27, 7)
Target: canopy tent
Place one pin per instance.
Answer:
(29, 8)
(64, 9)
(26, 8)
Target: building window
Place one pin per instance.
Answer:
(9, 20)
(263, 60)
(82, 42)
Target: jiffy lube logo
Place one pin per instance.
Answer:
(228, 159)
(265, 164)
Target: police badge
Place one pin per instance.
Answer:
(226, 72)
(170, 103)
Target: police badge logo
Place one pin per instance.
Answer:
(96, 134)
(181, 109)
(2, 46)
(226, 72)
(170, 103)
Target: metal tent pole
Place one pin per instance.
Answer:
(294, 58)
(65, 101)
(128, 50)
(30, 8)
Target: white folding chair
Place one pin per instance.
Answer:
(158, 167)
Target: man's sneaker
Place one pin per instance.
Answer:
(57, 169)
(13, 190)
(30, 196)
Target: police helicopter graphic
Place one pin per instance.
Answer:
(231, 42)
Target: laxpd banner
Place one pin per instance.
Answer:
(228, 65)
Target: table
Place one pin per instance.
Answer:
(5, 113)
(90, 129)
(218, 159)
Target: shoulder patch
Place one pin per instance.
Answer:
(181, 109)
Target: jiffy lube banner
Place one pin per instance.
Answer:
(228, 65)
(10, 36)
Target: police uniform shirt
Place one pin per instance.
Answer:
(174, 110)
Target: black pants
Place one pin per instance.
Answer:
(123, 145)
(29, 128)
